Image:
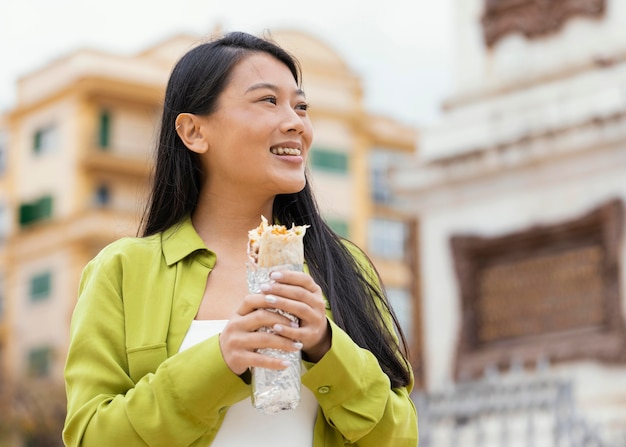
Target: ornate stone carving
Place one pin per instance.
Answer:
(547, 292)
(533, 18)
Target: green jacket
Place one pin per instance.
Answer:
(127, 385)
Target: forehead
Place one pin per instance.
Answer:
(261, 68)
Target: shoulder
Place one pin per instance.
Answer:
(125, 253)
(132, 245)
(354, 249)
(359, 255)
(363, 262)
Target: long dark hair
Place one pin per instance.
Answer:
(194, 87)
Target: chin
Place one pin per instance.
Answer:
(293, 188)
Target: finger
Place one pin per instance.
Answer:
(298, 309)
(262, 318)
(239, 348)
(260, 360)
(250, 303)
(295, 278)
(253, 359)
(296, 300)
(253, 302)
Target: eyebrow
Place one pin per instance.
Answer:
(267, 85)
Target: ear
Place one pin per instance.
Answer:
(190, 130)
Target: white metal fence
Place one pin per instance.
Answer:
(502, 411)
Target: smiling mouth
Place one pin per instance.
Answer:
(285, 151)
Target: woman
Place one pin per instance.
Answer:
(165, 331)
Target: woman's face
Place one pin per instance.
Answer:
(260, 134)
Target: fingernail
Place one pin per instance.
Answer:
(297, 345)
(270, 299)
(294, 324)
(276, 275)
(264, 287)
(286, 363)
(277, 327)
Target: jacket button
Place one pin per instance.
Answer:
(323, 390)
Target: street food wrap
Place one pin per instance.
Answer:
(275, 247)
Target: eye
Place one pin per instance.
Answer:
(302, 108)
(270, 99)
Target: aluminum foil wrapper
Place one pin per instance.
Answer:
(275, 390)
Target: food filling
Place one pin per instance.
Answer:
(270, 245)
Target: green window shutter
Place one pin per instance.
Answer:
(104, 135)
(39, 360)
(328, 160)
(35, 211)
(37, 141)
(27, 213)
(339, 226)
(40, 286)
(44, 207)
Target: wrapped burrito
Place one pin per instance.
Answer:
(275, 247)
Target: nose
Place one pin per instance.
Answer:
(292, 121)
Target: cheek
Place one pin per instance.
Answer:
(308, 134)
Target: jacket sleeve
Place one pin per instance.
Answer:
(358, 405)
(183, 401)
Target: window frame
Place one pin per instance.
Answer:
(394, 248)
(104, 129)
(39, 361)
(36, 211)
(328, 160)
(40, 286)
(45, 139)
(605, 343)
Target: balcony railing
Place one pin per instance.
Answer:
(508, 411)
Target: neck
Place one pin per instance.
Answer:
(221, 222)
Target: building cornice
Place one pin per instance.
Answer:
(98, 227)
(564, 72)
(93, 86)
(531, 150)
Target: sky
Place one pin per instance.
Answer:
(401, 49)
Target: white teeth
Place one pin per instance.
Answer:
(285, 151)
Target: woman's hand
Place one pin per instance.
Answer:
(293, 292)
(298, 294)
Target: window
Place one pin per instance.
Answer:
(533, 19)
(2, 296)
(339, 226)
(550, 291)
(388, 238)
(3, 151)
(39, 360)
(329, 160)
(400, 300)
(102, 195)
(38, 210)
(104, 132)
(45, 140)
(4, 222)
(40, 286)
(379, 176)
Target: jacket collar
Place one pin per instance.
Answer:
(181, 240)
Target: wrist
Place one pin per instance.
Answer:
(315, 353)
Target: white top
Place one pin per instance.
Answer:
(244, 425)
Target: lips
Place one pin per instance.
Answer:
(279, 150)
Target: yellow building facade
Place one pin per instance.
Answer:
(75, 158)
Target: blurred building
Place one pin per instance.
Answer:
(75, 156)
(520, 192)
